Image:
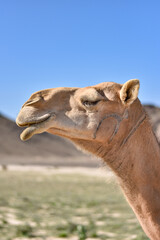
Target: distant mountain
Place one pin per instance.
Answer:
(47, 149)
(154, 115)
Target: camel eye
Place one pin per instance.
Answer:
(89, 103)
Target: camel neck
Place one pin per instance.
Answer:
(139, 177)
(133, 130)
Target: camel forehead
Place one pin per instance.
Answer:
(95, 91)
(112, 86)
(108, 85)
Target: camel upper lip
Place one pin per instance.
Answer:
(22, 123)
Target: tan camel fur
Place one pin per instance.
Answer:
(108, 121)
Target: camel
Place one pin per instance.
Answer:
(108, 121)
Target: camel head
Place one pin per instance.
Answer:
(92, 114)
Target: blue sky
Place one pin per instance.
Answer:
(53, 43)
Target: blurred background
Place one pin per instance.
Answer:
(56, 43)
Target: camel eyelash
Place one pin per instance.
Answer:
(89, 103)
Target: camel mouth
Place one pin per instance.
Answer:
(36, 126)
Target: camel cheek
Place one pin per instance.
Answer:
(106, 130)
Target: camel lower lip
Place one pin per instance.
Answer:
(27, 133)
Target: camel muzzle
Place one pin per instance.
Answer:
(35, 125)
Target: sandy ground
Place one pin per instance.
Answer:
(99, 172)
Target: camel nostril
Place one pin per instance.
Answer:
(31, 102)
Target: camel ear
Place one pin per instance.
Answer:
(129, 91)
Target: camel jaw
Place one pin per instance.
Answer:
(36, 125)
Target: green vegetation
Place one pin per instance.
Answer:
(40, 205)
